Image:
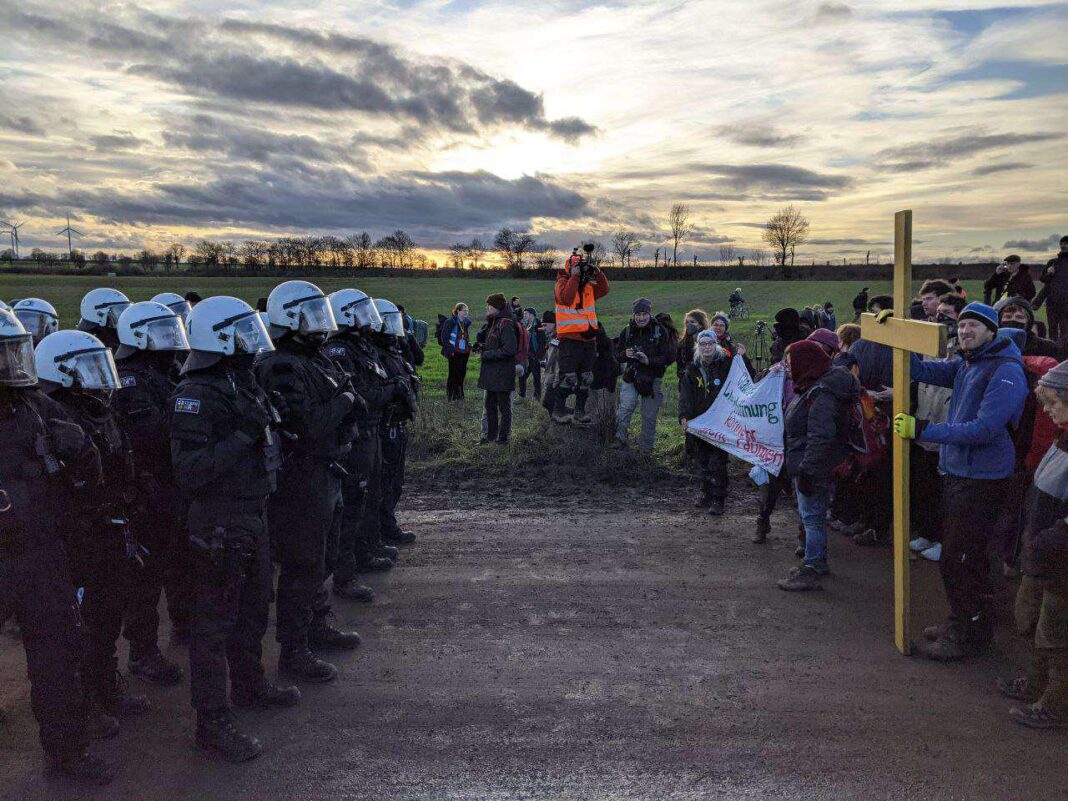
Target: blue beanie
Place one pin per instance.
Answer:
(981, 312)
(643, 305)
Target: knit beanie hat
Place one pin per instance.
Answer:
(549, 316)
(1023, 303)
(788, 319)
(721, 316)
(981, 312)
(532, 310)
(643, 305)
(825, 336)
(706, 334)
(497, 301)
(1056, 378)
(808, 363)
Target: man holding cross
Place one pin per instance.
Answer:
(977, 459)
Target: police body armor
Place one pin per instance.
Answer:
(403, 404)
(358, 358)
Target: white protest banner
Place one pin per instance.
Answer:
(746, 419)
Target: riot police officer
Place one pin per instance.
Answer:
(43, 456)
(76, 370)
(100, 311)
(394, 434)
(360, 548)
(150, 335)
(225, 457)
(38, 317)
(318, 420)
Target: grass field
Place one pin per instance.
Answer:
(446, 432)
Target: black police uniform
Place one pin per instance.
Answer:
(144, 405)
(394, 433)
(318, 420)
(43, 454)
(103, 551)
(225, 457)
(362, 488)
(109, 336)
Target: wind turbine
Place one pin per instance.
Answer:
(68, 231)
(15, 236)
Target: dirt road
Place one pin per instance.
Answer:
(642, 652)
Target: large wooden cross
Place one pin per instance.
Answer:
(906, 337)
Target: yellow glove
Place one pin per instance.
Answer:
(905, 426)
(884, 315)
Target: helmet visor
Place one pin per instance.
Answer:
(250, 335)
(115, 311)
(166, 333)
(316, 317)
(365, 313)
(181, 308)
(17, 368)
(92, 369)
(393, 324)
(38, 324)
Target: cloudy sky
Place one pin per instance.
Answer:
(162, 121)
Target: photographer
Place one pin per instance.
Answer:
(578, 286)
(644, 349)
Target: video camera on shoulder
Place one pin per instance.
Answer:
(585, 263)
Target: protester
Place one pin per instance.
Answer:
(606, 371)
(785, 331)
(533, 365)
(1042, 598)
(874, 360)
(550, 360)
(699, 386)
(496, 375)
(977, 457)
(456, 347)
(815, 432)
(930, 294)
(644, 349)
(1021, 284)
(1055, 294)
(1017, 312)
(848, 333)
(832, 318)
(578, 288)
(695, 321)
(860, 304)
(828, 340)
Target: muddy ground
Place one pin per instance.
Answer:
(639, 651)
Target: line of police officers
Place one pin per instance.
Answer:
(162, 447)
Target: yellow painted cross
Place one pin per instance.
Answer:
(905, 336)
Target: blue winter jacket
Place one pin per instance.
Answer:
(989, 390)
(451, 337)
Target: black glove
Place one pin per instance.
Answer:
(249, 429)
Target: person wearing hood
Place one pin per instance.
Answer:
(785, 332)
(699, 387)
(1054, 293)
(815, 434)
(1042, 599)
(874, 360)
(644, 348)
(496, 374)
(860, 304)
(1017, 312)
(977, 459)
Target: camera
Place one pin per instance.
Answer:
(761, 326)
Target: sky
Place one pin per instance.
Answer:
(167, 121)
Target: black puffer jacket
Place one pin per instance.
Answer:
(1045, 535)
(817, 424)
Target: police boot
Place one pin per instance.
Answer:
(352, 590)
(324, 637)
(265, 694)
(155, 667)
(399, 537)
(387, 552)
(216, 731)
(83, 766)
(298, 662)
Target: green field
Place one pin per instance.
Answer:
(446, 430)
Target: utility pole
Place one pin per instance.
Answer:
(68, 231)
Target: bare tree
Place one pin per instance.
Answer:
(726, 254)
(476, 251)
(545, 256)
(625, 244)
(363, 250)
(457, 254)
(176, 252)
(785, 232)
(513, 246)
(679, 220)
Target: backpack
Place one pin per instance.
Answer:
(866, 434)
(439, 330)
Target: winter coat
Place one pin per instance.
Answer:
(1040, 346)
(1055, 278)
(496, 372)
(654, 341)
(455, 336)
(876, 363)
(989, 390)
(699, 386)
(1021, 284)
(994, 287)
(932, 401)
(860, 302)
(605, 368)
(817, 426)
(569, 287)
(1045, 536)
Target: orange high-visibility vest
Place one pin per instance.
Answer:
(580, 316)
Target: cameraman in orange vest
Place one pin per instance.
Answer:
(578, 286)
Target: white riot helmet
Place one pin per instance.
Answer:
(300, 306)
(103, 307)
(176, 303)
(227, 326)
(150, 326)
(38, 317)
(17, 368)
(392, 319)
(76, 359)
(355, 309)
(4, 306)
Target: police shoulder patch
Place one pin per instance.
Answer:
(129, 381)
(335, 349)
(187, 405)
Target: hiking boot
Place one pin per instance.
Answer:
(763, 528)
(1020, 688)
(301, 664)
(100, 725)
(801, 579)
(387, 552)
(702, 502)
(155, 667)
(324, 637)
(352, 590)
(582, 419)
(563, 418)
(216, 731)
(950, 647)
(399, 537)
(374, 564)
(265, 694)
(932, 633)
(1037, 716)
(799, 551)
(117, 701)
(84, 767)
(715, 508)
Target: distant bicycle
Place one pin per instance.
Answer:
(740, 311)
